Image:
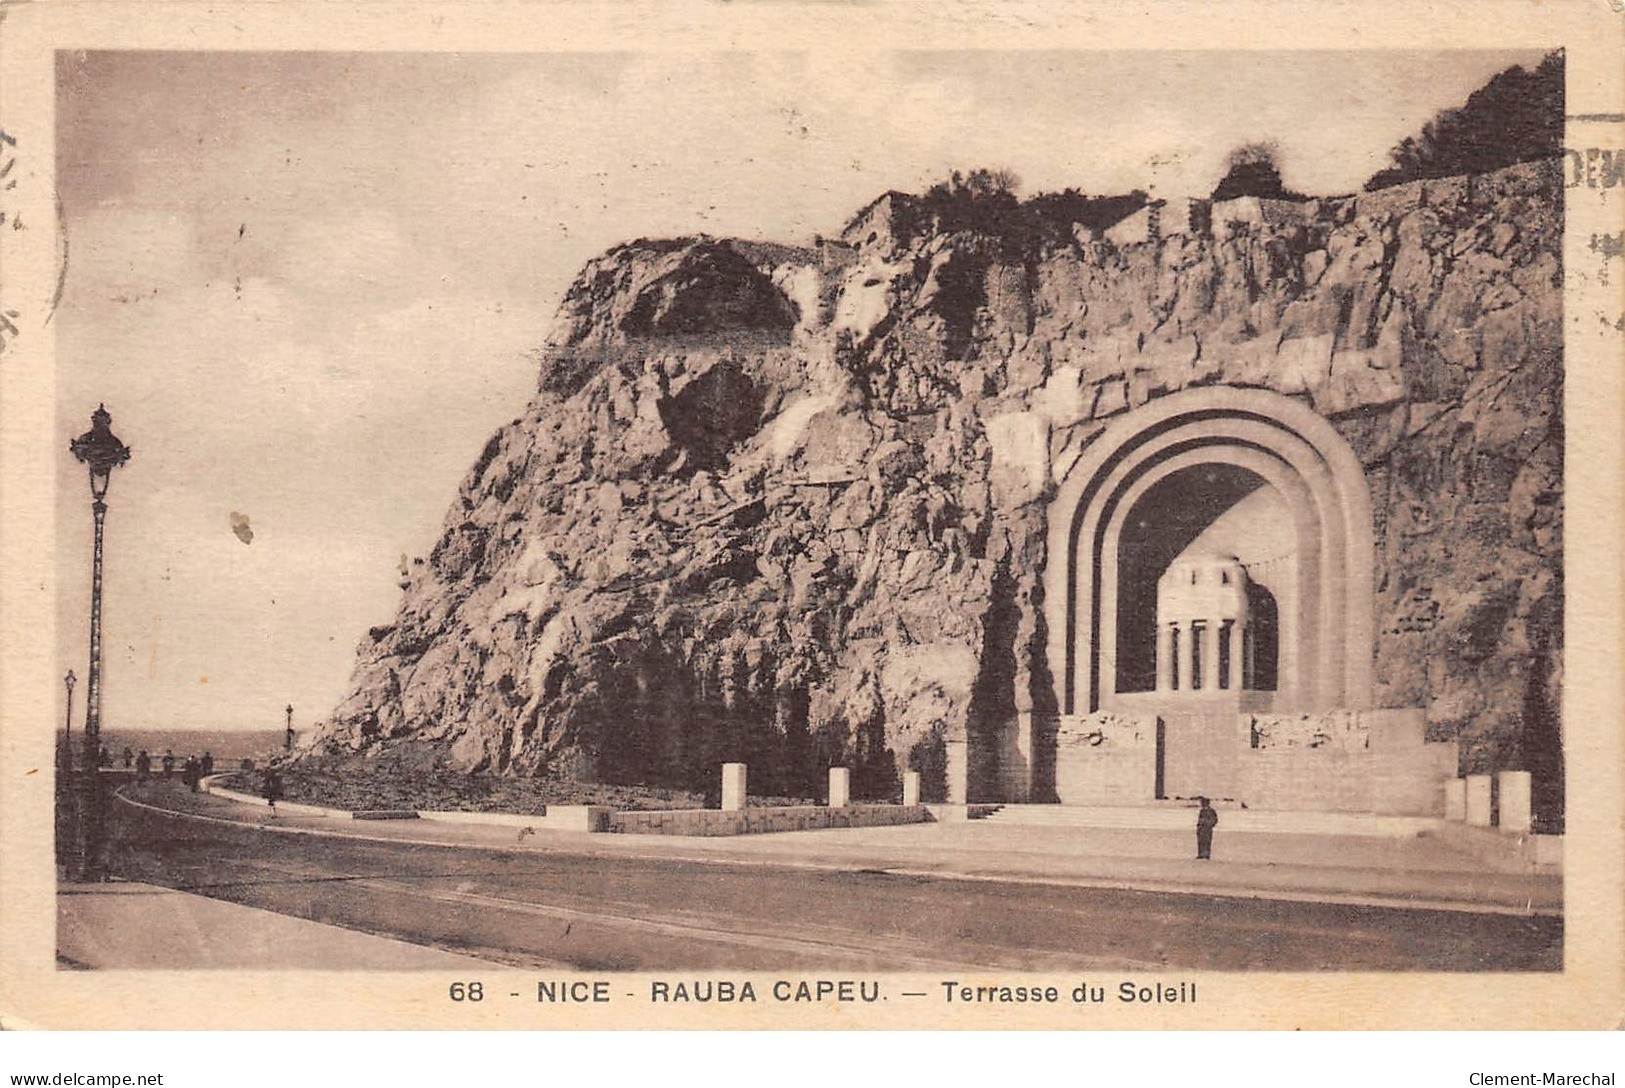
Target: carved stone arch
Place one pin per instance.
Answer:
(1281, 440)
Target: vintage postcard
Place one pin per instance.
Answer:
(794, 515)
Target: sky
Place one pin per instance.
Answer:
(310, 286)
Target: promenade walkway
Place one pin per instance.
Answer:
(1419, 870)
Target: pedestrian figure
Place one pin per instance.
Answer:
(129, 757)
(143, 765)
(169, 763)
(104, 758)
(1207, 818)
(207, 766)
(273, 788)
(191, 773)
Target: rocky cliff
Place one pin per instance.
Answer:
(769, 503)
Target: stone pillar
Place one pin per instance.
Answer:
(911, 788)
(958, 771)
(1515, 814)
(840, 787)
(1017, 761)
(1237, 649)
(1165, 657)
(1478, 800)
(1210, 656)
(1455, 800)
(733, 787)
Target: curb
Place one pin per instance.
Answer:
(1101, 883)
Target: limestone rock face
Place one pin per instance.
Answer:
(789, 506)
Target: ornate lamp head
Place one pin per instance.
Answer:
(101, 451)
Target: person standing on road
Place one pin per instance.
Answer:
(143, 765)
(169, 763)
(206, 767)
(128, 757)
(1207, 818)
(191, 772)
(273, 788)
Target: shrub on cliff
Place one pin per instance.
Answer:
(1055, 214)
(1252, 171)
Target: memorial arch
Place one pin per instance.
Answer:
(1217, 540)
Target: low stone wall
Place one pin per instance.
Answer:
(754, 821)
(287, 808)
(557, 818)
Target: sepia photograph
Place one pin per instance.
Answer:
(932, 527)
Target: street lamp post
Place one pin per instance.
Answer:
(287, 737)
(101, 452)
(64, 751)
(69, 680)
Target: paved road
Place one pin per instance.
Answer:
(589, 912)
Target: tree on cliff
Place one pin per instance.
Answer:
(985, 201)
(981, 199)
(1252, 171)
(1515, 117)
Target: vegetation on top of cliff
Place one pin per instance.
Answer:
(1516, 117)
(985, 201)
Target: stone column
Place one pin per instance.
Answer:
(840, 787)
(1249, 664)
(1165, 657)
(1179, 642)
(1238, 643)
(733, 787)
(1210, 656)
(911, 788)
(1478, 800)
(1515, 811)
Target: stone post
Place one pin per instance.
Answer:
(840, 787)
(1478, 800)
(1455, 800)
(1515, 812)
(911, 788)
(733, 787)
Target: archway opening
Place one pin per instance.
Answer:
(1186, 513)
